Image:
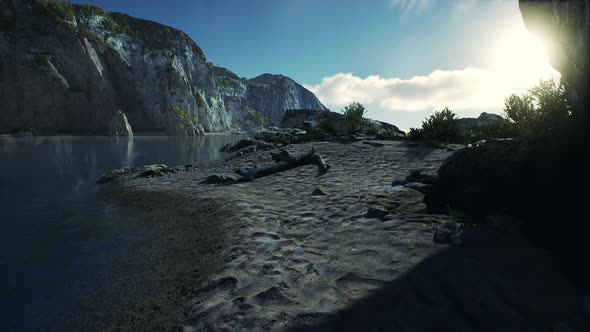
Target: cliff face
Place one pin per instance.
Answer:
(71, 69)
(566, 23)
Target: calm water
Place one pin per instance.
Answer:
(56, 238)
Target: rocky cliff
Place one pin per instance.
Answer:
(72, 69)
(566, 25)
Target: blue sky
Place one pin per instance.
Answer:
(401, 58)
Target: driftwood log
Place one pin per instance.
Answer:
(285, 161)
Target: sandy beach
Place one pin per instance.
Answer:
(269, 255)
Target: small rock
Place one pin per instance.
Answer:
(220, 178)
(421, 187)
(456, 239)
(398, 183)
(417, 176)
(188, 166)
(452, 226)
(377, 212)
(441, 236)
(321, 191)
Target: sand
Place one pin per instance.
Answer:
(269, 255)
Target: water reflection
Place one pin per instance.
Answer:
(56, 238)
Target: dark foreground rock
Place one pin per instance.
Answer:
(490, 176)
(517, 186)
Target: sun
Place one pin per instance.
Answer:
(522, 60)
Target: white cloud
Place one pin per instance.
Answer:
(468, 92)
(412, 6)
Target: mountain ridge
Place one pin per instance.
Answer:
(71, 68)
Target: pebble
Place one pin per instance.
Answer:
(321, 191)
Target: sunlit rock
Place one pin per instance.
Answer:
(62, 70)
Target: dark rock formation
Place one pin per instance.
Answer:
(310, 118)
(491, 177)
(483, 120)
(565, 24)
(281, 135)
(126, 173)
(68, 68)
(120, 126)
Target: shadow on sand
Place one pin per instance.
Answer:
(495, 282)
(416, 151)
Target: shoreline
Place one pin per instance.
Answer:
(289, 258)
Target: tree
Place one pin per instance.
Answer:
(542, 110)
(441, 126)
(352, 115)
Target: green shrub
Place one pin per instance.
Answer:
(502, 128)
(315, 134)
(328, 128)
(441, 126)
(183, 114)
(416, 134)
(352, 115)
(456, 216)
(256, 118)
(542, 111)
(63, 9)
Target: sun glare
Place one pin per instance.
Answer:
(521, 60)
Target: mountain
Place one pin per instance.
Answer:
(76, 69)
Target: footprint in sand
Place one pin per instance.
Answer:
(265, 236)
(308, 214)
(352, 280)
(216, 288)
(272, 295)
(241, 303)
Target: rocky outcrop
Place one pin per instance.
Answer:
(68, 69)
(120, 126)
(177, 125)
(334, 122)
(490, 177)
(566, 25)
(281, 135)
(309, 118)
(465, 125)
